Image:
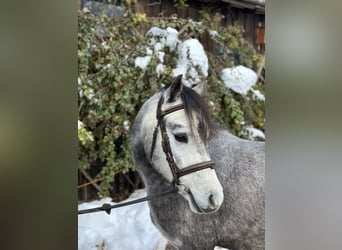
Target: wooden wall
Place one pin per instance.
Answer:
(252, 21)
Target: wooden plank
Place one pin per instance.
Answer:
(154, 6)
(193, 14)
(246, 4)
(256, 3)
(255, 23)
(182, 12)
(90, 182)
(249, 29)
(85, 174)
(260, 33)
(260, 36)
(240, 4)
(145, 7)
(241, 18)
(233, 16)
(139, 7)
(168, 8)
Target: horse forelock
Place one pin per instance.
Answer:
(194, 103)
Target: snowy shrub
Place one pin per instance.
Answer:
(122, 62)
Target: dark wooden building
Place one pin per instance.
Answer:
(250, 14)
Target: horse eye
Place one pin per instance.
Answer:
(181, 137)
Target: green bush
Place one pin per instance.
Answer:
(112, 89)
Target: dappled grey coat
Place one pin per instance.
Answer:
(238, 224)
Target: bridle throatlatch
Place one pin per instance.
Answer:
(176, 171)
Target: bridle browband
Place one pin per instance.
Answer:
(176, 171)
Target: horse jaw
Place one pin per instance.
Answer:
(203, 191)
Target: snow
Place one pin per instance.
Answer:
(125, 228)
(89, 93)
(258, 95)
(166, 38)
(192, 60)
(159, 39)
(149, 51)
(239, 79)
(161, 56)
(254, 133)
(142, 62)
(79, 124)
(191, 55)
(213, 33)
(126, 125)
(159, 69)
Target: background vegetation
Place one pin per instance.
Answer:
(111, 89)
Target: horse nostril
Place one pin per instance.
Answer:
(211, 200)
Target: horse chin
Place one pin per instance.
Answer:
(196, 208)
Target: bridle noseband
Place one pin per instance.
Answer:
(176, 171)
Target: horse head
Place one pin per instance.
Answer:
(182, 115)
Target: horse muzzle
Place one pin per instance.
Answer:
(205, 204)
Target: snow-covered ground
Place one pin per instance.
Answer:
(126, 228)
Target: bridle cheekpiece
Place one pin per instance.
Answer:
(176, 171)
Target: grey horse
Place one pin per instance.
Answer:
(221, 207)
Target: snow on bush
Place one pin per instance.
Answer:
(142, 62)
(240, 79)
(192, 61)
(257, 95)
(252, 133)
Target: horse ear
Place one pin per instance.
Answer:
(175, 89)
(199, 87)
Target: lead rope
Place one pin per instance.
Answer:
(106, 207)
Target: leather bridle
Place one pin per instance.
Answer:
(176, 171)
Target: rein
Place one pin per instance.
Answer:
(106, 207)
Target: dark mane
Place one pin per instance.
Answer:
(193, 102)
